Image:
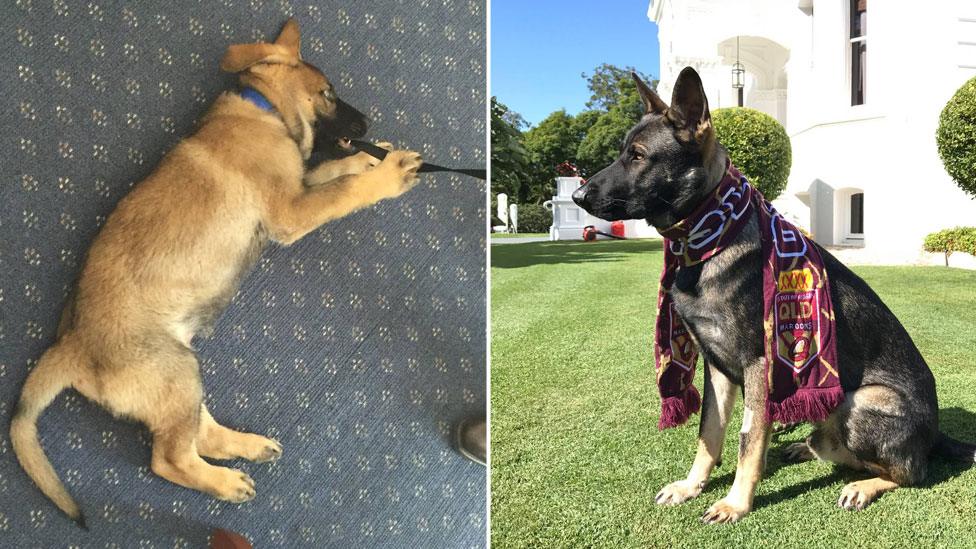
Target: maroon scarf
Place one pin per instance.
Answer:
(802, 382)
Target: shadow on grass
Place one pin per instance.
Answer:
(513, 256)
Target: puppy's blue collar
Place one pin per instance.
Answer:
(255, 97)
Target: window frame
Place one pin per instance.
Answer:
(855, 43)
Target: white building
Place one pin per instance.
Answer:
(860, 103)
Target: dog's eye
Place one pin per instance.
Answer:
(328, 94)
(637, 155)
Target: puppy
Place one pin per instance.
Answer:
(171, 256)
(886, 425)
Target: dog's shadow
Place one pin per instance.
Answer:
(955, 422)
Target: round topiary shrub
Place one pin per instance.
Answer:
(956, 137)
(758, 146)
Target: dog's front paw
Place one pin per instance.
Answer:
(678, 492)
(260, 449)
(401, 169)
(798, 452)
(369, 161)
(234, 485)
(724, 511)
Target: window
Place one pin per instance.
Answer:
(859, 49)
(857, 214)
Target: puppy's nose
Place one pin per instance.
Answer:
(580, 196)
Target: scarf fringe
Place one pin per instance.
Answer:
(805, 405)
(676, 410)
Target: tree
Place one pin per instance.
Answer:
(610, 83)
(601, 146)
(510, 161)
(956, 137)
(552, 142)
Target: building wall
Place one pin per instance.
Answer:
(918, 55)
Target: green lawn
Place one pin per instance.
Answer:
(576, 455)
(517, 235)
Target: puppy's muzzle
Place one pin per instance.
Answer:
(333, 134)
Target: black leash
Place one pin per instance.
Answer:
(380, 153)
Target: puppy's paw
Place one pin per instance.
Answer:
(401, 167)
(678, 492)
(369, 161)
(798, 452)
(724, 511)
(234, 486)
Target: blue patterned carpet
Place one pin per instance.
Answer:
(358, 347)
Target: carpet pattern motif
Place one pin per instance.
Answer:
(357, 347)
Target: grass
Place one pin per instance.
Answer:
(518, 235)
(576, 455)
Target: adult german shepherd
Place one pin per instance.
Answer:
(888, 423)
(171, 255)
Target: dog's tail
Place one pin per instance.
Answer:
(54, 372)
(951, 448)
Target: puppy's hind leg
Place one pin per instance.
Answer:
(219, 442)
(172, 410)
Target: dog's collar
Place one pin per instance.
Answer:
(259, 100)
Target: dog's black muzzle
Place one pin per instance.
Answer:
(607, 195)
(333, 134)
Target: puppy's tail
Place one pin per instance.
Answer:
(951, 448)
(54, 372)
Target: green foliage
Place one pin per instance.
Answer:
(956, 137)
(758, 146)
(533, 218)
(946, 241)
(510, 162)
(613, 89)
(552, 142)
(609, 83)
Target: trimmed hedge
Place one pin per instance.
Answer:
(533, 218)
(946, 241)
(758, 146)
(956, 137)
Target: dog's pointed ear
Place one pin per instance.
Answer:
(653, 104)
(290, 38)
(240, 57)
(689, 106)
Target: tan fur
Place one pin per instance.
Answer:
(172, 252)
(711, 437)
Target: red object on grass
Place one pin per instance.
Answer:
(617, 228)
(589, 233)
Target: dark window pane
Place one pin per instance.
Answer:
(859, 52)
(857, 213)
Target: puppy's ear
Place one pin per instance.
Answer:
(240, 57)
(689, 106)
(652, 103)
(290, 38)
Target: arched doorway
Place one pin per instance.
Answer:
(765, 80)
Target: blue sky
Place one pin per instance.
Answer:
(540, 47)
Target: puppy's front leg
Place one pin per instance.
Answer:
(290, 217)
(331, 170)
(753, 442)
(717, 400)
